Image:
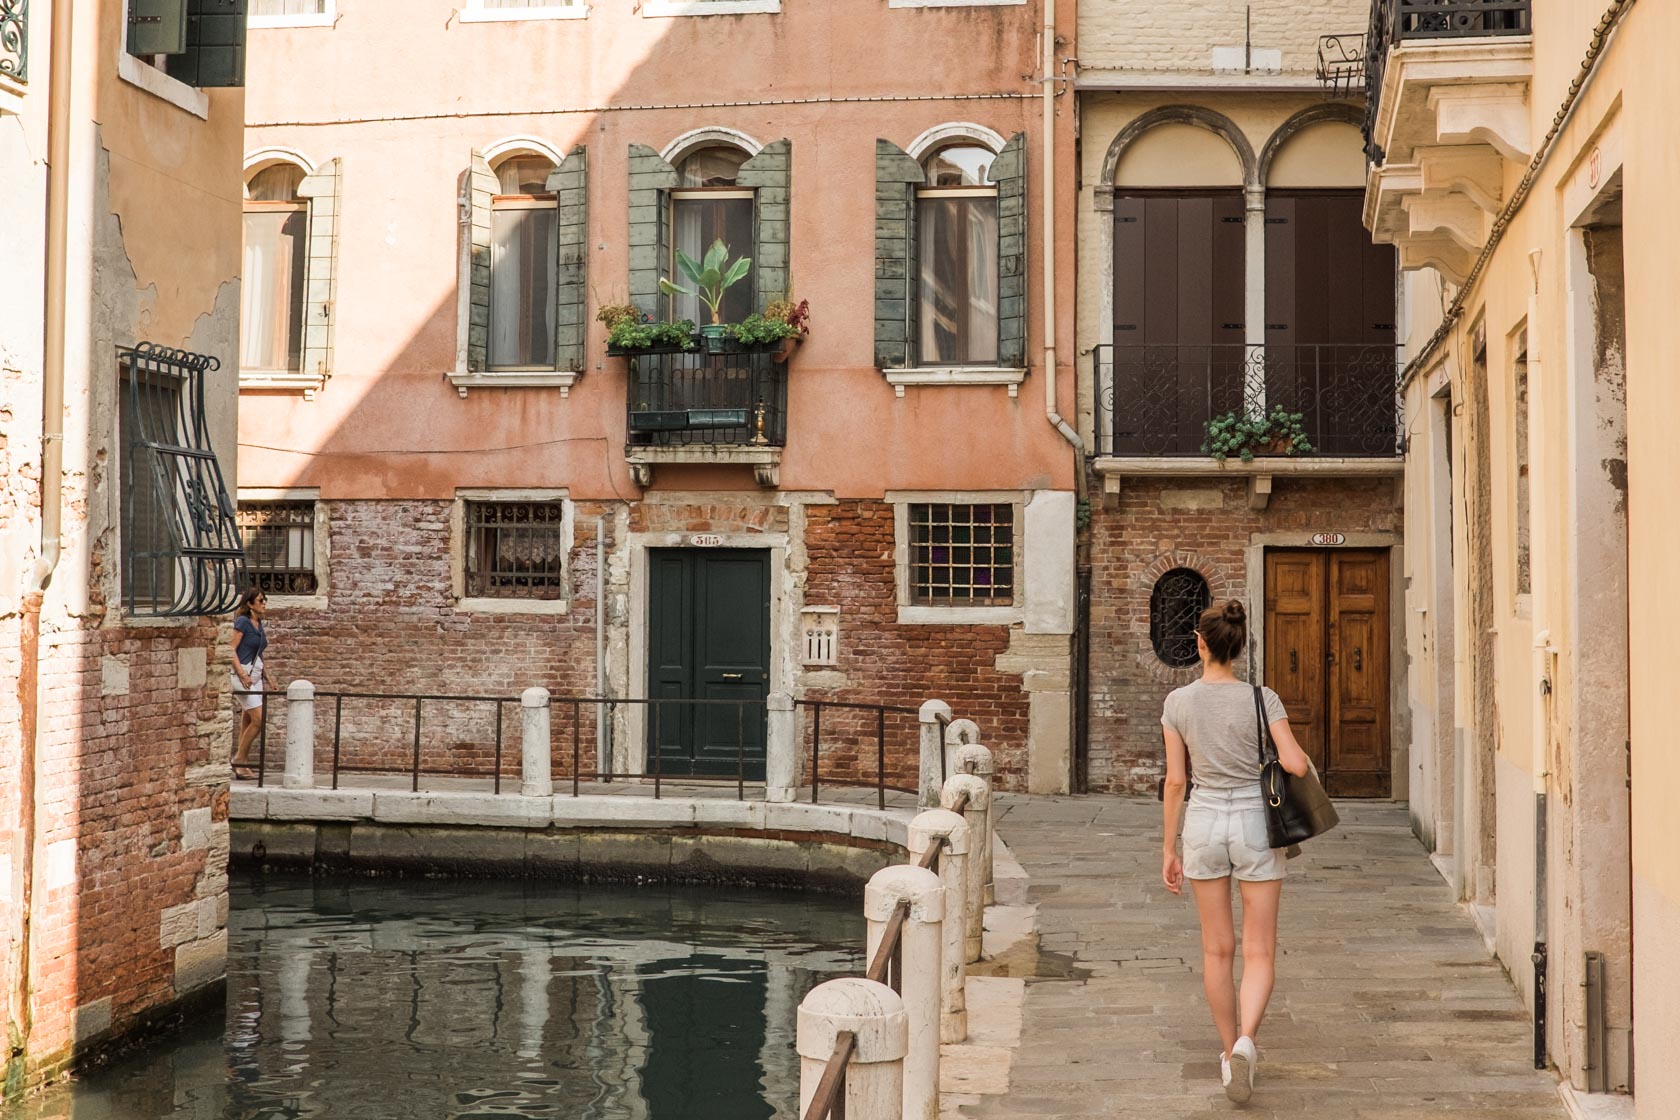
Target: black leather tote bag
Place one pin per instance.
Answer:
(1297, 809)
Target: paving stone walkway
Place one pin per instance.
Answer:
(1388, 1006)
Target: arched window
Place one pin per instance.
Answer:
(1179, 598)
(957, 247)
(271, 292)
(708, 206)
(523, 254)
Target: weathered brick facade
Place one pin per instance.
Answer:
(1205, 525)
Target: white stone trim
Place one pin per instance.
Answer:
(326, 17)
(475, 13)
(941, 134)
(538, 378)
(458, 549)
(12, 93)
(258, 159)
(661, 8)
(911, 613)
(159, 84)
(953, 3)
(521, 145)
(696, 138)
(955, 375)
(513, 606)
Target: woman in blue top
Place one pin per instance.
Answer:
(249, 679)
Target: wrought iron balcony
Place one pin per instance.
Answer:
(1394, 22)
(706, 407)
(14, 40)
(1156, 400)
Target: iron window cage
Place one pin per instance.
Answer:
(962, 555)
(279, 540)
(1175, 606)
(516, 550)
(14, 40)
(180, 554)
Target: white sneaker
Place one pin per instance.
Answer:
(1225, 1071)
(1239, 1070)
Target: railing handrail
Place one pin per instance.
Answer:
(828, 1102)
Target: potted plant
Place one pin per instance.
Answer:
(798, 319)
(1241, 433)
(711, 277)
(628, 330)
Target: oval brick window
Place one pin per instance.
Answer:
(1179, 598)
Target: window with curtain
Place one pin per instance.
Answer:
(708, 206)
(957, 246)
(523, 258)
(271, 291)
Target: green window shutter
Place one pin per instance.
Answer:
(157, 26)
(896, 176)
(651, 178)
(770, 175)
(1009, 172)
(215, 53)
(478, 187)
(570, 184)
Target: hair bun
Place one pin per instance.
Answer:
(1234, 612)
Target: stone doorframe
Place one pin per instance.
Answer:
(1399, 733)
(786, 598)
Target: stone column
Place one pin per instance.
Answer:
(972, 793)
(933, 750)
(919, 975)
(977, 760)
(930, 827)
(874, 1015)
(535, 769)
(781, 762)
(300, 735)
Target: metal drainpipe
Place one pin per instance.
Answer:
(52, 470)
(1048, 201)
(603, 749)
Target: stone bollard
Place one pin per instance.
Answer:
(933, 752)
(958, 734)
(973, 917)
(300, 735)
(919, 976)
(781, 753)
(875, 1016)
(977, 760)
(535, 771)
(928, 828)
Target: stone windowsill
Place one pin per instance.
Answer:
(562, 379)
(298, 19)
(953, 3)
(281, 380)
(160, 85)
(660, 8)
(298, 602)
(958, 616)
(766, 462)
(12, 92)
(517, 15)
(513, 606)
(1185, 466)
(904, 376)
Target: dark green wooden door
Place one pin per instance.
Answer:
(708, 644)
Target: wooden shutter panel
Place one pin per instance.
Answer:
(650, 236)
(570, 184)
(215, 54)
(478, 188)
(157, 26)
(895, 255)
(1009, 172)
(770, 175)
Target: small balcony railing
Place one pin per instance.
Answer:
(1157, 400)
(676, 398)
(14, 40)
(1398, 21)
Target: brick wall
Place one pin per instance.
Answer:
(1205, 525)
(1181, 36)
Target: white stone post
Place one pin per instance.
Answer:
(300, 735)
(536, 776)
(972, 793)
(781, 761)
(977, 760)
(919, 977)
(875, 1016)
(930, 827)
(933, 750)
(958, 734)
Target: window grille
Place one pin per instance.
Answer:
(962, 555)
(180, 544)
(516, 550)
(279, 539)
(1179, 598)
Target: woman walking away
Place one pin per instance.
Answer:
(1211, 728)
(249, 679)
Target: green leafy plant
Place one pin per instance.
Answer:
(795, 315)
(611, 315)
(711, 277)
(1240, 433)
(759, 329)
(637, 332)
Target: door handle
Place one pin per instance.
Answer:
(733, 676)
(1294, 662)
(1358, 660)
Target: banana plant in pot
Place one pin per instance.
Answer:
(711, 278)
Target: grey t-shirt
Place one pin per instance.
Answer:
(1216, 721)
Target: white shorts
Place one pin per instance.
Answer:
(1225, 834)
(253, 698)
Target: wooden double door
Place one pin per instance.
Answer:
(708, 661)
(1327, 658)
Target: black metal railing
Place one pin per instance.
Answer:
(736, 398)
(1397, 21)
(14, 39)
(1157, 400)
(1341, 63)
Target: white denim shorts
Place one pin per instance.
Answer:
(253, 698)
(1225, 834)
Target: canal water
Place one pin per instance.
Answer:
(374, 999)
